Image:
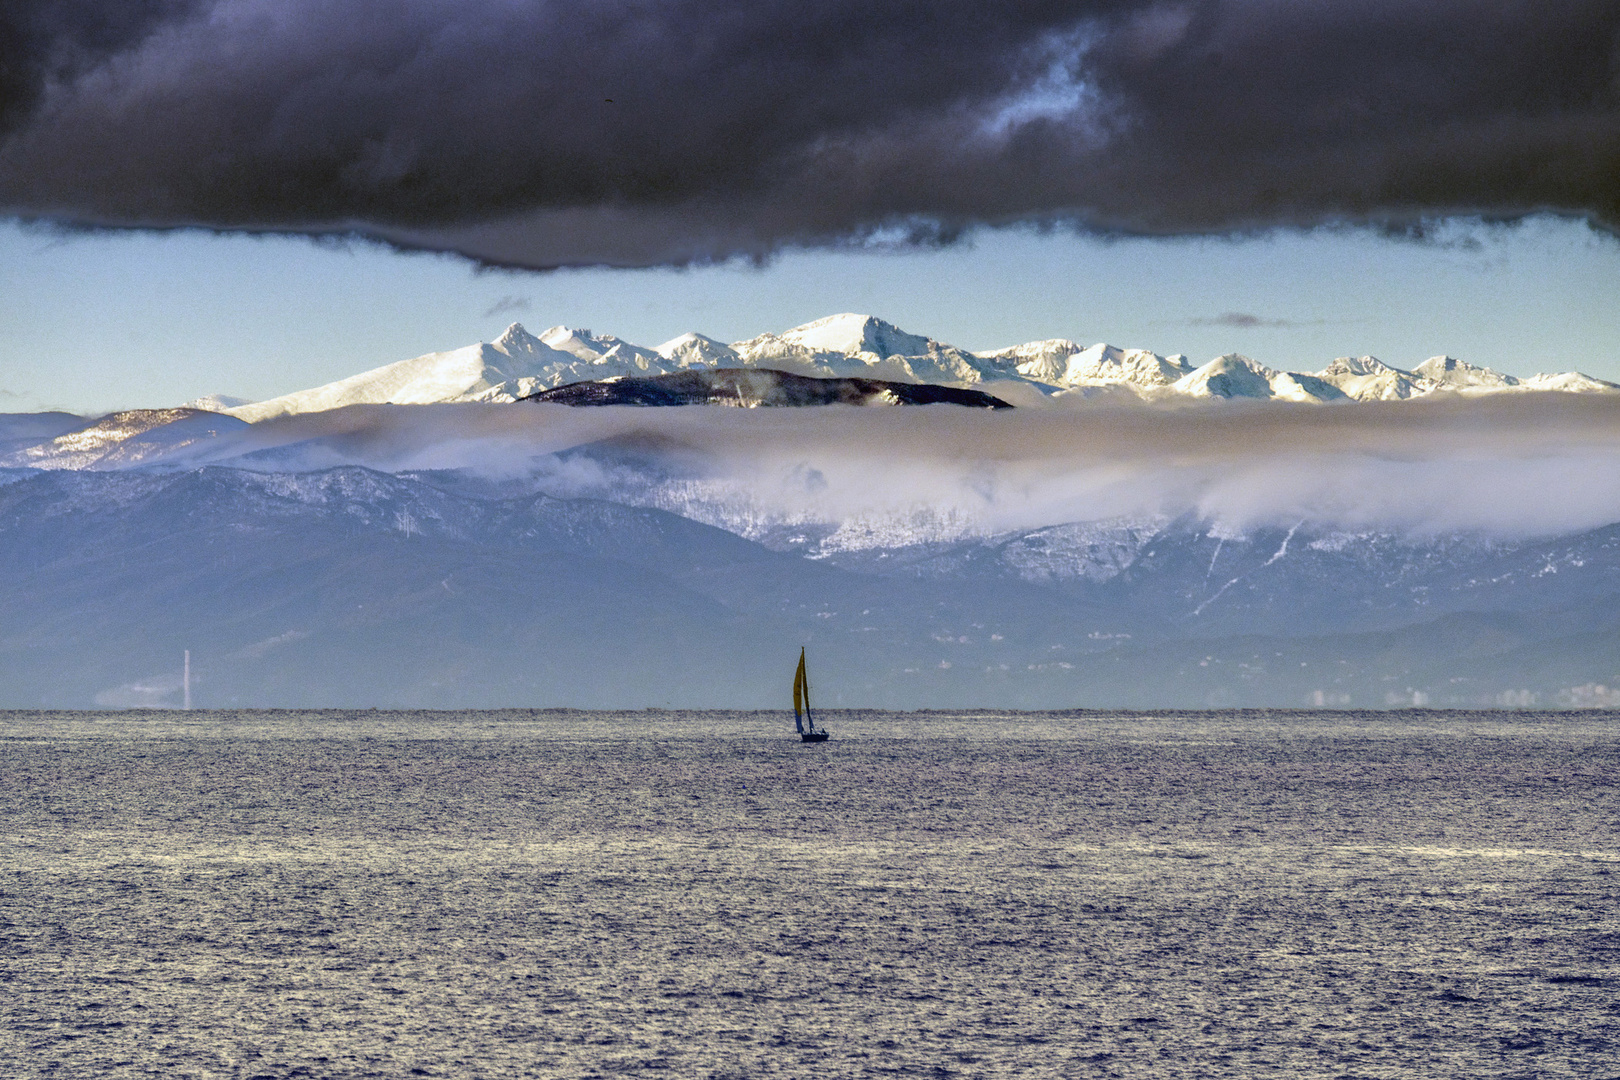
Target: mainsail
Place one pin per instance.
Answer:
(801, 697)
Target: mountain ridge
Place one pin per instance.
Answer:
(519, 364)
(753, 388)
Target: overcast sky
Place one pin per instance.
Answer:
(1347, 143)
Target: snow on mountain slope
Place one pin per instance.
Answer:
(850, 333)
(861, 346)
(1236, 376)
(216, 402)
(696, 350)
(603, 352)
(463, 374)
(1366, 378)
(1089, 551)
(1292, 386)
(1569, 382)
(1449, 373)
(591, 358)
(519, 364)
(1061, 363)
(1045, 362)
(124, 439)
(1140, 367)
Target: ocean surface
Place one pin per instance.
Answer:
(561, 894)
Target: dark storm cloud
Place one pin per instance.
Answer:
(634, 132)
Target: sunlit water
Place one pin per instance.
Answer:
(289, 894)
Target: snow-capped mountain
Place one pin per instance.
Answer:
(596, 357)
(1366, 378)
(519, 364)
(695, 350)
(1567, 382)
(1235, 376)
(861, 346)
(1452, 374)
(466, 374)
(1060, 363)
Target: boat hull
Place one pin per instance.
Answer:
(812, 736)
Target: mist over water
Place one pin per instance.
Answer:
(1514, 466)
(357, 894)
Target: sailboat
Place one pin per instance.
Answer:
(805, 724)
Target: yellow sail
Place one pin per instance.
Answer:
(801, 692)
(804, 688)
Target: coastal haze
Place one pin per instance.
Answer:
(946, 894)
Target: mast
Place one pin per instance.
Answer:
(186, 681)
(809, 717)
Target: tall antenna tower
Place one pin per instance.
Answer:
(186, 682)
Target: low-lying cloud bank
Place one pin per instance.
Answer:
(1528, 466)
(642, 133)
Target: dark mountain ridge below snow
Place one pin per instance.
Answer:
(752, 388)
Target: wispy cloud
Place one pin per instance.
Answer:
(506, 305)
(1243, 320)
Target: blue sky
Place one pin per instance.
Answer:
(97, 321)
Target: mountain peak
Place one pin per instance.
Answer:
(698, 349)
(855, 333)
(1451, 372)
(514, 334)
(1367, 378)
(1228, 376)
(563, 332)
(1357, 365)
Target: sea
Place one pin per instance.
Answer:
(279, 894)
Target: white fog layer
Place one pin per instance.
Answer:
(1519, 466)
